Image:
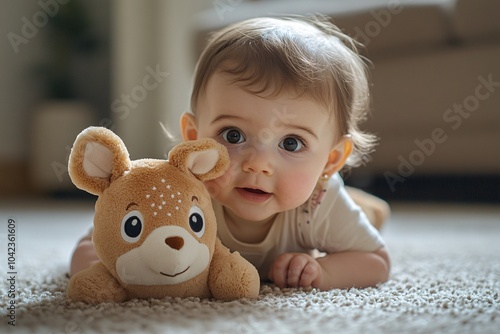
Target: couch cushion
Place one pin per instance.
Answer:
(379, 24)
(476, 19)
(398, 25)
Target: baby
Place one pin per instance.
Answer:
(285, 96)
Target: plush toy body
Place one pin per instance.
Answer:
(155, 230)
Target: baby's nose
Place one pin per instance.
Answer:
(258, 162)
(175, 242)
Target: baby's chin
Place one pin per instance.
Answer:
(255, 217)
(256, 213)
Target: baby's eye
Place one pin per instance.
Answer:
(232, 136)
(291, 144)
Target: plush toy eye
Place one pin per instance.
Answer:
(197, 221)
(132, 225)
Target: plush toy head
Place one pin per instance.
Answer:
(155, 230)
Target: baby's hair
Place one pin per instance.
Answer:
(309, 56)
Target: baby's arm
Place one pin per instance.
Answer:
(345, 267)
(337, 270)
(84, 255)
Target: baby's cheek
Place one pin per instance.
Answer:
(213, 187)
(216, 186)
(298, 188)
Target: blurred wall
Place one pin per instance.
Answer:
(139, 80)
(139, 77)
(18, 91)
(24, 47)
(152, 68)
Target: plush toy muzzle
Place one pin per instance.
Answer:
(169, 255)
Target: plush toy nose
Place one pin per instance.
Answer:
(175, 242)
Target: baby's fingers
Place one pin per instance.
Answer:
(309, 274)
(278, 272)
(296, 271)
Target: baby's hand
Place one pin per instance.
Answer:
(295, 270)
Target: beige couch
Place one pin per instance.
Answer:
(435, 75)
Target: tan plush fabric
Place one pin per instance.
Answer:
(155, 231)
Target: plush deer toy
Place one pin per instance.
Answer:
(155, 231)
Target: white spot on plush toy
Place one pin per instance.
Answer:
(154, 188)
(169, 214)
(163, 181)
(168, 186)
(155, 213)
(152, 205)
(172, 195)
(148, 196)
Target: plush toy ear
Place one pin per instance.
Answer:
(204, 158)
(97, 158)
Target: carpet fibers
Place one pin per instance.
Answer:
(445, 279)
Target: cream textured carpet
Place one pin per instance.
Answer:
(445, 279)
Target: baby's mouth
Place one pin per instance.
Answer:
(256, 191)
(254, 195)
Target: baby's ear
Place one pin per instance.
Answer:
(204, 158)
(97, 158)
(338, 156)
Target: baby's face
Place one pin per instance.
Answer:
(278, 147)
